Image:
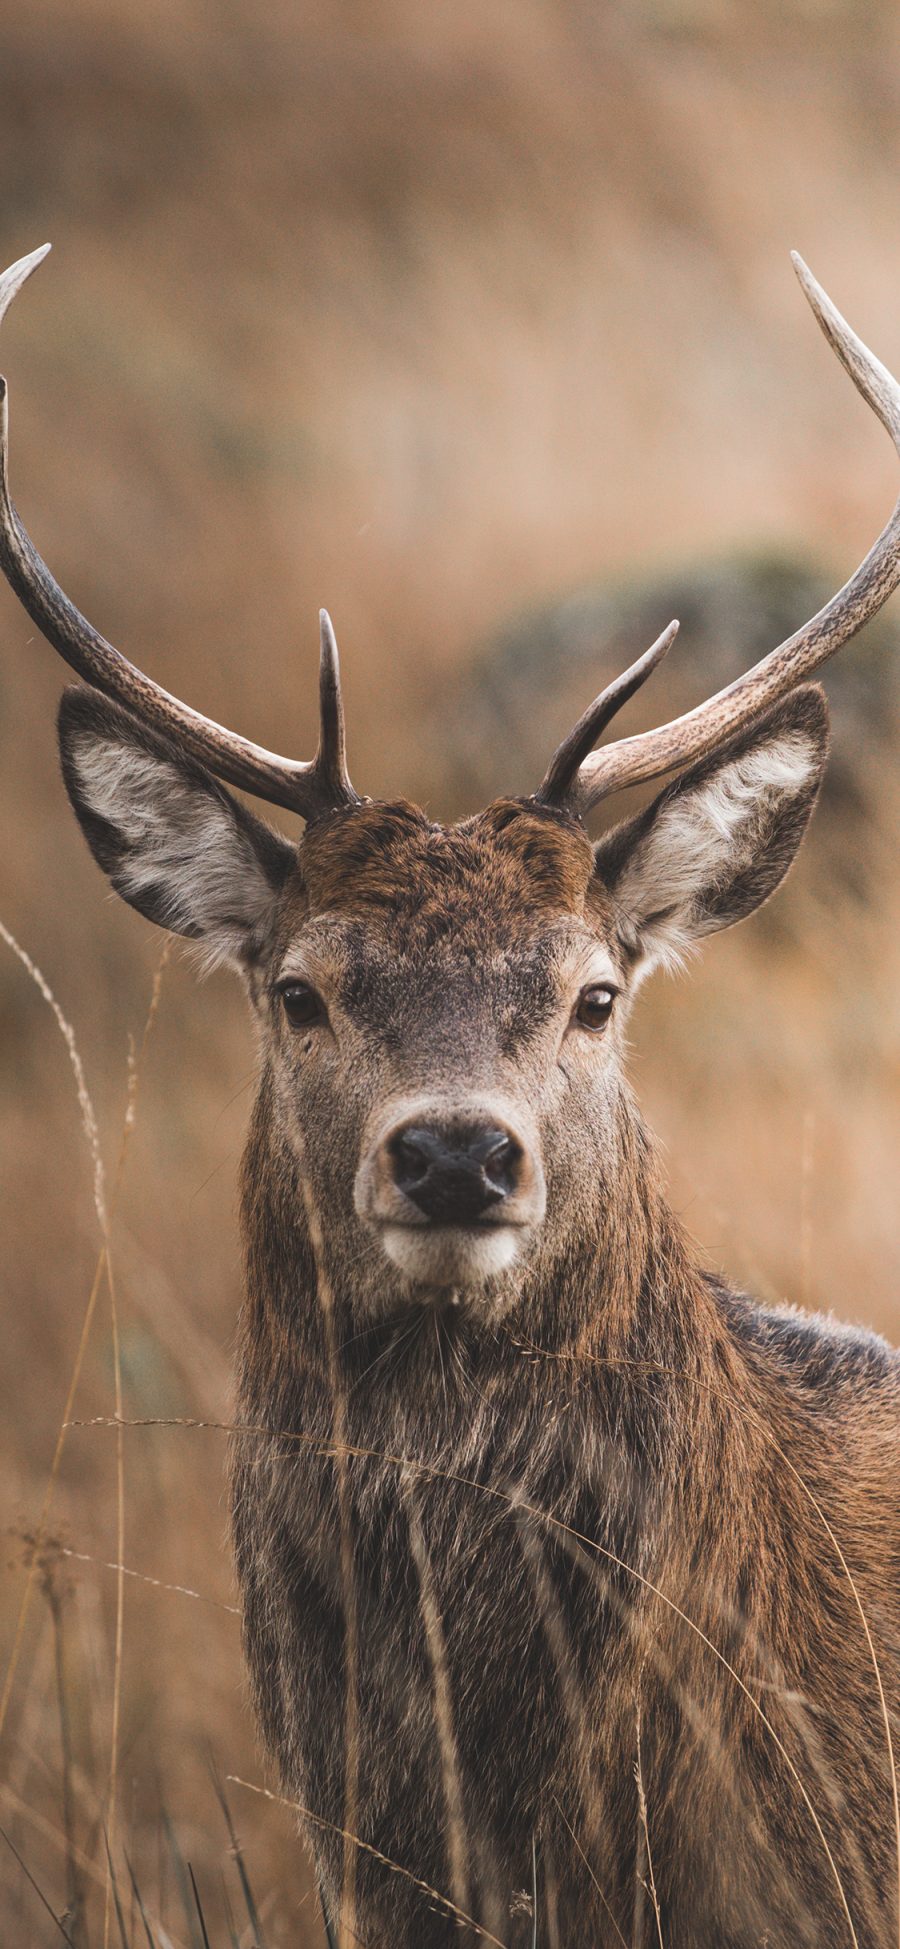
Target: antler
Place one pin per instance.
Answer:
(311, 789)
(700, 731)
(562, 776)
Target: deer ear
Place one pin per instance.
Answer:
(172, 841)
(716, 843)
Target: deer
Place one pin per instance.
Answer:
(570, 1574)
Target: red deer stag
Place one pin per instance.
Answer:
(570, 1576)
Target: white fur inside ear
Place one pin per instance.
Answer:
(704, 837)
(179, 843)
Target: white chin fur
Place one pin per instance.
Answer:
(451, 1255)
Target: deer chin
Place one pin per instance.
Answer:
(445, 1258)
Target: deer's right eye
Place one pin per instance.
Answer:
(301, 1004)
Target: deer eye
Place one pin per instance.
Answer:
(595, 1006)
(301, 1004)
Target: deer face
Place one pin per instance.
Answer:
(430, 1032)
(441, 1009)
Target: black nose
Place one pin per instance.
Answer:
(455, 1175)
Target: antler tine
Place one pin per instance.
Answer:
(331, 757)
(562, 773)
(18, 274)
(711, 724)
(311, 789)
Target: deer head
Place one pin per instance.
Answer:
(441, 1010)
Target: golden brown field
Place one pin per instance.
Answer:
(478, 325)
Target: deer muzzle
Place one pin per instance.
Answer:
(453, 1190)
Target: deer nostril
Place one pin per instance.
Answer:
(454, 1175)
(501, 1162)
(411, 1159)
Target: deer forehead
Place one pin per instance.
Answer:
(493, 879)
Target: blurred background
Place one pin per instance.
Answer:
(478, 325)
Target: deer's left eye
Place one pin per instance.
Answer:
(595, 1006)
(301, 1004)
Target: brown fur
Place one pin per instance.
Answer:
(584, 1506)
(393, 860)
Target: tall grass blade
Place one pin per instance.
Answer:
(237, 1853)
(182, 1880)
(37, 1889)
(233, 1936)
(54, 1598)
(330, 1936)
(442, 1709)
(140, 1902)
(199, 1906)
(645, 1823)
(113, 1887)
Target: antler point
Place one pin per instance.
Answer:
(803, 271)
(17, 274)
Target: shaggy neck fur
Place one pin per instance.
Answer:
(611, 1460)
